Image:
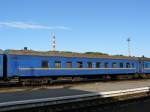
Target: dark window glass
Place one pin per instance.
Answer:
(80, 64)
(69, 64)
(98, 64)
(146, 65)
(133, 65)
(89, 64)
(57, 64)
(105, 65)
(114, 65)
(121, 65)
(45, 64)
(127, 65)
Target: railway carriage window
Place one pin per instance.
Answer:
(80, 64)
(98, 64)
(57, 64)
(146, 65)
(105, 65)
(89, 64)
(127, 65)
(132, 65)
(121, 65)
(45, 64)
(114, 65)
(69, 64)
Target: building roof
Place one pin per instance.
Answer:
(65, 54)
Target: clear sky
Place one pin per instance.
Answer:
(79, 25)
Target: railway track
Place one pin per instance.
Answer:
(17, 87)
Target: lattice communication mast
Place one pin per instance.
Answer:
(53, 42)
(129, 46)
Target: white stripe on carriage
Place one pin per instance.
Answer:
(76, 68)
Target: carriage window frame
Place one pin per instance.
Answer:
(106, 65)
(128, 65)
(69, 64)
(98, 64)
(57, 64)
(146, 65)
(121, 65)
(90, 64)
(79, 64)
(133, 65)
(114, 65)
(45, 64)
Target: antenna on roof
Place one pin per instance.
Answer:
(53, 42)
(129, 46)
(25, 48)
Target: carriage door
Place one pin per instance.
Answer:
(141, 66)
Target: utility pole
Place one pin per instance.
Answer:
(129, 46)
(53, 42)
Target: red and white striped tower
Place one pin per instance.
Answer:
(53, 42)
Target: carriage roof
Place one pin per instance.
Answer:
(66, 54)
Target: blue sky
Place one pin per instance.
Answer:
(79, 25)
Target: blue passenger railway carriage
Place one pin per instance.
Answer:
(52, 65)
(33, 66)
(1, 64)
(144, 65)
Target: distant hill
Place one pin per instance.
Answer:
(96, 53)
